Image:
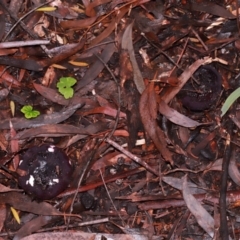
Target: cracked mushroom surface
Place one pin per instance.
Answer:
(204, 94)
(45, 171)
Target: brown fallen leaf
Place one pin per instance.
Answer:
(204, 219)
(14, 147)
(57, 117)
(78, 24)
(185, 76)
(51, 130)
(127, 44)
(32, 226)
(25, 203)
(176, 117)
(211, 8)
(96, 67)
(104, 110)
(233, 169)
(150, 124)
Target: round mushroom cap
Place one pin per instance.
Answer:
(46, 171)
(205, 95)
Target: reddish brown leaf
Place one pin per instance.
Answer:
(110, 27)
(25, 203)
(14, 147)
(185, 76)
(105, 110)
(152, 128)
(108, 160)
(3, 215)
(78, 24)
(54, 96)
(6, 77)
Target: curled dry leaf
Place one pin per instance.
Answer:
(204, 219)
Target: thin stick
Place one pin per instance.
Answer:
(23, 43)
(124, 224)
(133, 157)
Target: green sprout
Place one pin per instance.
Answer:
(65, 86)
(29, 112)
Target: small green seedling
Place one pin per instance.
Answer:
(29, 112)
(65, 86)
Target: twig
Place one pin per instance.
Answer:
(119, 96)
(133, 157)
(223, 191)
(21, 18)
(124, 224)
(22, 24)
(23, 43)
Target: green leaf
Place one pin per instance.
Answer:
(26, 109)
(66, 92)
(65, 86)
(230, 100)
(67, 81)
(29, 112)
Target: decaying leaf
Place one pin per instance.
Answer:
(176, 117)
(20, 123)
(150, 124)
(204, 219)
(128, 45)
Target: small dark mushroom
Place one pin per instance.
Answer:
(205, 95)
(45, 171)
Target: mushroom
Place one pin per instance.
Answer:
(205, 95)
(45, 171)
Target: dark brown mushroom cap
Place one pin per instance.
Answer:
(47, 171)
(205, 95)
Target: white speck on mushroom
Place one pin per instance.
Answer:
(53, 181)
(42, 164)
(30, 181)
(20, 162)
(51, 148)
